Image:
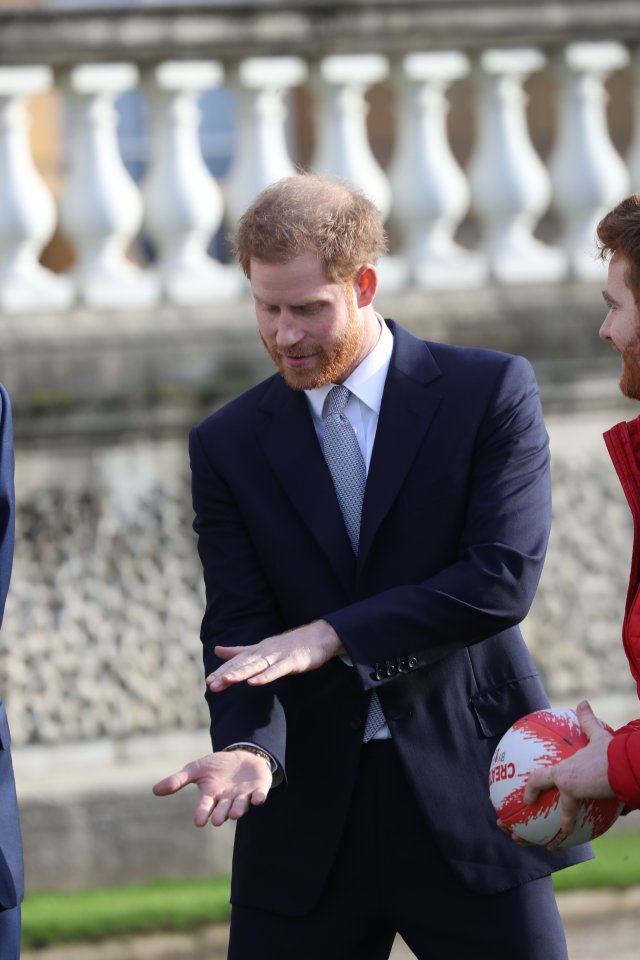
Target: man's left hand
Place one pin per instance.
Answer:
(297, 651)
(584, 776)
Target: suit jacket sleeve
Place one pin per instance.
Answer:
(7, 502)
(11, 867)
(240, 610)
(491, 584)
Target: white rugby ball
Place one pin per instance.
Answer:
(542, 739)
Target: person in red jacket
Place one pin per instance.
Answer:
(609, 766)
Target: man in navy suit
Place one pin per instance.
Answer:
(11, 871)
(356, 824)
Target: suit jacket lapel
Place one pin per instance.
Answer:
(409, 403)
(290, 442)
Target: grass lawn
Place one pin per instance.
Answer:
(184, 904)
(188, 904)
(617, 864)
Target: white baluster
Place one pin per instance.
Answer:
(588, 174)
(101, 207)
(430, 191)
(633, 155)
(183, 202)
(27, 209)
(342, 149)
(510, 185)
(261, 151)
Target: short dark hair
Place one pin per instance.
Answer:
(309, 213)
(619, 232)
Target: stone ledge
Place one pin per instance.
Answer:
(65, 34)
(92, 373)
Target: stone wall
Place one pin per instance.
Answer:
(574, 626)
(101, 631)
(102, 620)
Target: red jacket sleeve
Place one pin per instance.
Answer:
(624, 764)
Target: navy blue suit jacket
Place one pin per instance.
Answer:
(11, 871)
(453, 535)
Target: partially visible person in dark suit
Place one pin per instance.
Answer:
(372, 522)
(11, 870)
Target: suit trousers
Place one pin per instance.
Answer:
(389, 878)
(10, 934)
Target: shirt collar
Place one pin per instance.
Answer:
(367, 380)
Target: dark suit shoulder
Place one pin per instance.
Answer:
(451, 356)
(451, 359)
(492, 376)
(454, 371)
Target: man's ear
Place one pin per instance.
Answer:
(366, 285)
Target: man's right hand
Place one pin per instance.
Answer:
(228, 782)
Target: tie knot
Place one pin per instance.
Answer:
(335, 401)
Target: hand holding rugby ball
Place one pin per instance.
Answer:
(542, 739)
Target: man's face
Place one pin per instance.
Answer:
(312, 328)
(622, 325)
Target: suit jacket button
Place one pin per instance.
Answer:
(391, 669)
(378, 673)
(356, 723)
(405, 664)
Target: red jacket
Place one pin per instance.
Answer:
(623, 443)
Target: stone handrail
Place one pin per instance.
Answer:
(61, 35)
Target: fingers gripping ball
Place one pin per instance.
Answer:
(542, 739)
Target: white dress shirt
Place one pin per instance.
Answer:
(366, 384)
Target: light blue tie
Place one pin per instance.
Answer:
(349, 473)
(345, 461)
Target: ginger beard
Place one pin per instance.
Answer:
(335, 361)
(621, 326)
(630, 378)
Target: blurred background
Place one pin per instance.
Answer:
(491, 135)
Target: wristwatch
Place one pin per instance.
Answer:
(250, 748)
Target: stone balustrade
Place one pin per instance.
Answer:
(426, 192)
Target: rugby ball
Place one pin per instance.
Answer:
(542, 739)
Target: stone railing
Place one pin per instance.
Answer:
(339, 56)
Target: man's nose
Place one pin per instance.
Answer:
(289, 332)
(605, 330)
